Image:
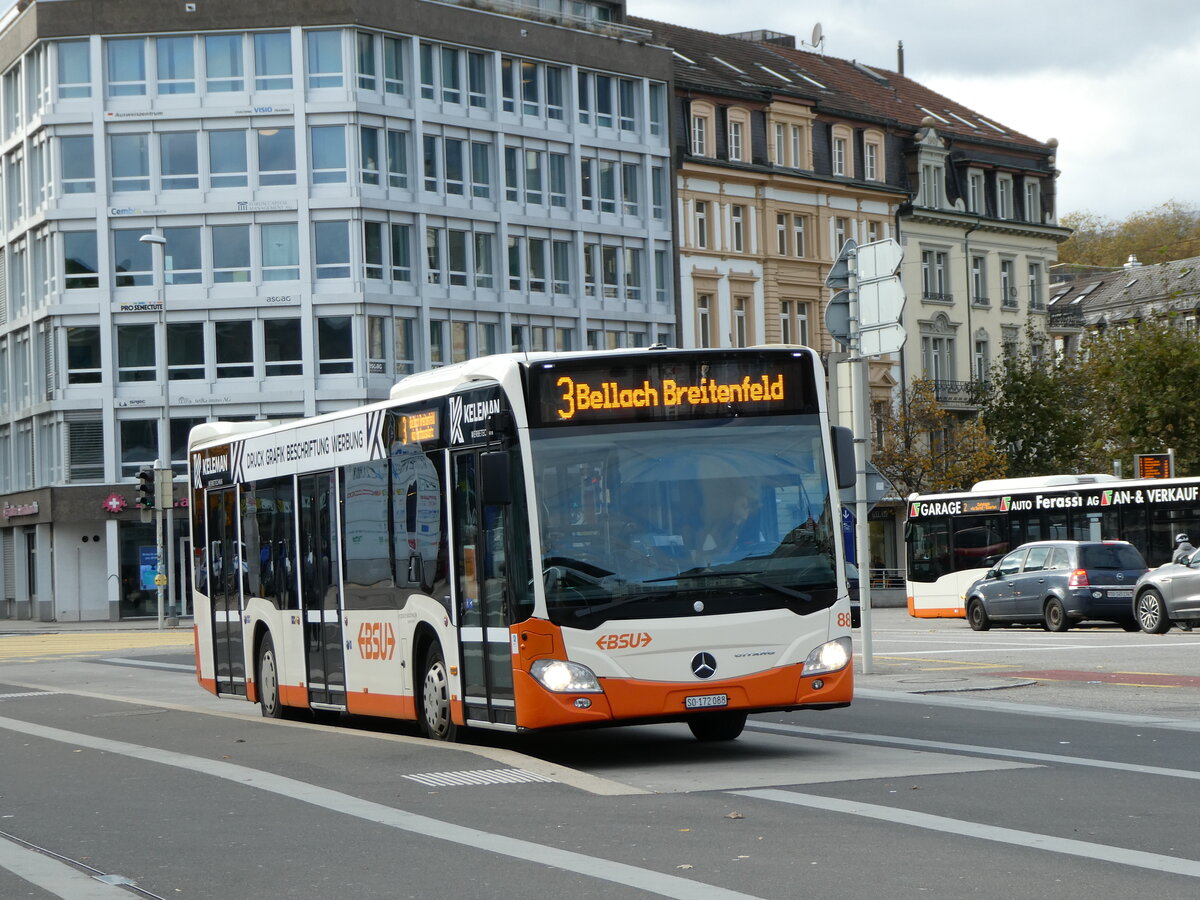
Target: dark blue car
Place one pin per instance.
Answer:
(1058, 583)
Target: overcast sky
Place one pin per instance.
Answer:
(1117, 83)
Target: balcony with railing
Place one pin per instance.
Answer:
(963, 395)
(1067, 317)
(937, 296)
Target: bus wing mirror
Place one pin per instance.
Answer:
(495, 470)
(843, 456)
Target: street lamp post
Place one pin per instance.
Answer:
(160, 242)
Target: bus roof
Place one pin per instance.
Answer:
(993, 485)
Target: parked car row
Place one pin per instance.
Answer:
(1059, 583)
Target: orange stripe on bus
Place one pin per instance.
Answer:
(627, 698)
(391, 706)
(945, 612)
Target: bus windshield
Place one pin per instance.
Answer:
(683, 519)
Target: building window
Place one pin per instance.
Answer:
(872, 154)
(74, 70)
(403, 346)
(699, 135)
(931, 185)
(185, 351)
(840, 233)
(798, 160)
(737, 216)
(365, 59)
(139, 445)
(741, 325)
(273, 61)
(135, 353)
(328, 149)
(324, 59)
(78, 164)
(179, 161)
(83, 355)
(282, 343)
(280, 252)
(397, 158)
(335, 345)
(981, 360)
(132, 259)
(223, 63)
(978, 281)
(126, 63)
(933, 276)
(735, 141)
(181, 255)
(393, 65)
(276, 156)
(799, 244)
(780, 146)
(704, 320)
(802, 323)
(1033, 201)
(176, 61)
(1004, 195)
(702, 224)
(975, 192)
(230, 253)
(781, 234)
(937, 357)
(130, 162)
(331, 249)
(401, 252)
(839, 156)
(227, 159)
(80, 262)
(235, 349)
(1036, 301)
(1008, 284)
(631, 178)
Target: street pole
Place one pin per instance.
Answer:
(160, 580)
(860, 391)
(165, 564)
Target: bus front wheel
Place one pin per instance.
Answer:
(268, 680)
(718, 726)
(436, 722)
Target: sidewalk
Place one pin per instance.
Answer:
(30, 626)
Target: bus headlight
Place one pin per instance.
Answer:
(829, 657)
(564, 677)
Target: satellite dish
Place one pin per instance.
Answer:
(817, 35)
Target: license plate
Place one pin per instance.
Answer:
(1123, 592)
(707, 701)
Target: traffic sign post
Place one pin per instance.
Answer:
(863, 315)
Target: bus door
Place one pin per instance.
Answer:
(481, 593)
(320, 590)
(222, 568)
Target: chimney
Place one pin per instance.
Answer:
(900, 57)
(1132, 262)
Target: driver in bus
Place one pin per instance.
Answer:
(738, 531)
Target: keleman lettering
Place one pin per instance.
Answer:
(580, 396)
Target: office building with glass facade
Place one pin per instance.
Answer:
(213, 210)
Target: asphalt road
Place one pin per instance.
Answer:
(1013, 763)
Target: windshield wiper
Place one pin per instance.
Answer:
(623, 601)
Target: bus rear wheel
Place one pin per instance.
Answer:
(718, 726)
(436, 722)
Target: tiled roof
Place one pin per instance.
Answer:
(1133, 292)
(843, 86)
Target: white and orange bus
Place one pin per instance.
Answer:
(952, 539)
(531, 541)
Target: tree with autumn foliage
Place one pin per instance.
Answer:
(925, 448)
(1167, 232)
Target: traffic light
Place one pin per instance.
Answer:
(145, 487)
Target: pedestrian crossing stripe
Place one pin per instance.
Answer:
(478, 776)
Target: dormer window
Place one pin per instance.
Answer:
(1004, 197)
(975, 202)
(739, 130)
(931, 185)
(1033, 201)
(702, 116)
(873, 169)
(843, 163)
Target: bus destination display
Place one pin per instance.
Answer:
(666, 390)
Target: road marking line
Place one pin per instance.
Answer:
(1056, 648)
(149, 664)
(525, 851)
(1029, 709)
(1030, 756)
(54, 877)
(1156, 862)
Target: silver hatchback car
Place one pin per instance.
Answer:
(1170, 593)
